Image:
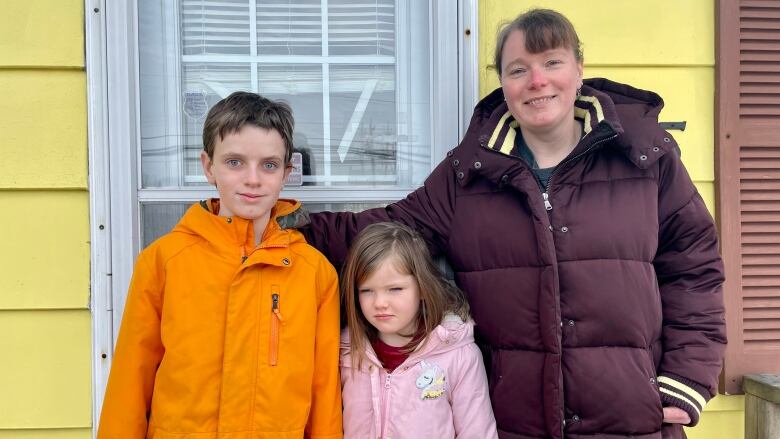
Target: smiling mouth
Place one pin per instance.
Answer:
(540, 100)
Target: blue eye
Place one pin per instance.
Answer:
(270, 166)
(233, 163)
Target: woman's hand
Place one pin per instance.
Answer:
(675, 415)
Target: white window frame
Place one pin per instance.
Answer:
(113, 133)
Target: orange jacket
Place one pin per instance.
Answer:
(222, 340)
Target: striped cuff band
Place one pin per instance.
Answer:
(685, 394)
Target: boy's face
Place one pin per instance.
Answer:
(249, 171)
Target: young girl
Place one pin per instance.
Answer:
(409, 365)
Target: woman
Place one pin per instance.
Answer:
(589, 260)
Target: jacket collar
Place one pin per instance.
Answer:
(626, 116)
(451, 333)
(235, 235)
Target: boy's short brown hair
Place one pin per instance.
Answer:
(244, 108)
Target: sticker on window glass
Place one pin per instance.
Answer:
(296, 174)
(195, 105)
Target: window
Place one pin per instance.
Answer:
(360, 91)
(380, 90)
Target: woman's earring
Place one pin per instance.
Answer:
(579, 92)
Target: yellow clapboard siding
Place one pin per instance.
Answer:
(688, 95)
(43, 118)
(46, 375)
(723, 418)
(45, 257)
(707, 191)
(640, 32)
(42, 33)
(53, 433)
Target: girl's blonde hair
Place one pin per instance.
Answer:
(376, 244)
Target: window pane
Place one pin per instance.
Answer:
(171, 140)
(360, 93)
(158, 219)
(292, 27)
(211, 27)
(301, 87)
(366, 28)
(363, 126)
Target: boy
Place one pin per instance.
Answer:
(231, 328)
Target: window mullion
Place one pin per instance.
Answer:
(326, 134)
(173, 69)
(253, 43)
(402, 93)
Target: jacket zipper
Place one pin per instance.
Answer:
(548, 207)
(386, 403)
(546, 194)
(276, 322)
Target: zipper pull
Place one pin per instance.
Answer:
(275, 307)
(547, 204)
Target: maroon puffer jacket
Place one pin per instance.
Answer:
(596, 309)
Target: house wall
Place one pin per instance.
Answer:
(666, 46)
(45, 375)
(662, 45)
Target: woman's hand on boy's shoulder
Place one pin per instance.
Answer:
(294, 220)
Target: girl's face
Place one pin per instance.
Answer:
(390, 300)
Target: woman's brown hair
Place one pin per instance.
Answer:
(405, 248)
(543, 29)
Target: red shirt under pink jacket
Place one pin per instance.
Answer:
(440, 391)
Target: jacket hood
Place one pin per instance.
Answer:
(229, 232)
(451, 333)
(610, 110)
(637, 111)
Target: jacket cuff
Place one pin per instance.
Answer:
(684, 394)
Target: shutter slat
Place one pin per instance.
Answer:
(762, 281)
(758, 195)
(751, 250)
(760, 292)
(771, 304)
(759, 67)
(746, 4)
(759, 270)
(760, 13)
(760, 238)
(760, 260)
(760, 78)
(766, 334)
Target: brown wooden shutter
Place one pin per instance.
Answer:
(748, 174)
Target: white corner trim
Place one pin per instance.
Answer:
(99, 202)
(469, 61)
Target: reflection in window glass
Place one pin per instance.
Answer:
(361, 28)
(363, 125)
(292, 27)
(357, 76)
(215, 27)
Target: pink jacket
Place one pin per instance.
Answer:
(440, 391)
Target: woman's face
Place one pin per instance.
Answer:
(539, 88)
